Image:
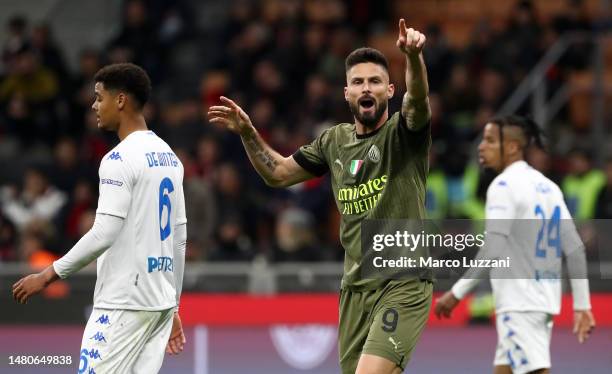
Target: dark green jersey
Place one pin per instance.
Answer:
(380, 175)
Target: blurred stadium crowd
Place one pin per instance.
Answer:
(284, 61)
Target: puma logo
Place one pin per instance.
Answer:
(395, 344)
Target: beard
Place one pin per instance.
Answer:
(368, 120)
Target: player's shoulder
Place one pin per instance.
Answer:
(396, 118)
(114, 168)
(546, 185)
(514, 176)
(339, 129)
(115, 157)
(119, 155)
(501, 182)
(126, 153)
(510, 177)
(504, 184)
(542, 183)
(336, 134)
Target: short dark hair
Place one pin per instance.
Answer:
(366, 54)
(126, 77)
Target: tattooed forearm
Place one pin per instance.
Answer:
(415, 105)
(274, 169)
(416, 112)
(256, 149)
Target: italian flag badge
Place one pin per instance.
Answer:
(355, 166)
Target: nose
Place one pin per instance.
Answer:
(480, 146)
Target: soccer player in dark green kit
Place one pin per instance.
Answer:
(378, 168)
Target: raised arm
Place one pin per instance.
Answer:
(276, 170)
(415, 104)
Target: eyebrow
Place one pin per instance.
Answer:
(370, 77)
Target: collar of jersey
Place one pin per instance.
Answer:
(516, 165)
(139, 132)
(370, 134)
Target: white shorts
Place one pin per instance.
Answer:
(125, 341)
(523, 341)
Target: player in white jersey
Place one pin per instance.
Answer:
(527, 220)
(138, 237)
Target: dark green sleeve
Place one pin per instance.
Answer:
(312, 157)
(420, 140)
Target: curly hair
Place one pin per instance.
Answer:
(127, 77)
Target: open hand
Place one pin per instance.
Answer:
(584, 323)
(177, 340)
(230, 115)
(409, 40)
(28, 286)
(445, 305)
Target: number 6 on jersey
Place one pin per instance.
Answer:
(165, 188)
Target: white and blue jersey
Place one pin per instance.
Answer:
(529, 209)
(141, 181)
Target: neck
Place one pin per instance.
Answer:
(512, 159)
(130, 124)
(363, 130)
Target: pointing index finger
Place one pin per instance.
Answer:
(402, 27)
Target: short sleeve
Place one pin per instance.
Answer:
(116, 182)
(500, 208)
(419, 141)
(311, 156)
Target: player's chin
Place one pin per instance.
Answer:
(484, 164)
(107, 126)
(368, 119)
